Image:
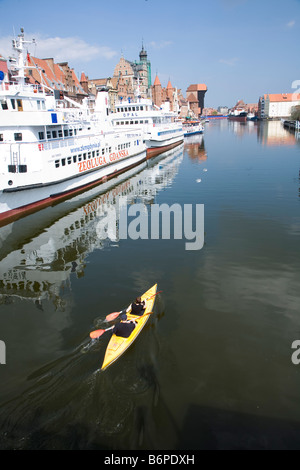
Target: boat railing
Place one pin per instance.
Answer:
(14, 87)
(63, 142)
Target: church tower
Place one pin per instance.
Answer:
(157, 92)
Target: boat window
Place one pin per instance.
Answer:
(70, 132)
(41, 136)
(66, 132)
(48, 135)
(1, 137)
(54, 134)
(20, 105)
(74, 158)
(69, 160)
(13, 103)
(56, 163)
(4, 104)
(63, 161)
(60, 133)
(18, 136)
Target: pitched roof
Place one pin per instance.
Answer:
(192, 98)
(83, 77)
(169, 85)
(281, 97)
(45, 71)
(156, 81)
(197, 87)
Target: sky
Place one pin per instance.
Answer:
(240, 49)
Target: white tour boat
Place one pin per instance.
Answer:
(52, 148)
(192, 128)
(162, 130)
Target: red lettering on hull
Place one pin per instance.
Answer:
(91, 163)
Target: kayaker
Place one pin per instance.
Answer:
(124, 328)
(138, 307)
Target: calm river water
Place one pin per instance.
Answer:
(213, 367)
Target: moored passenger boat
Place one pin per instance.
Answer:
(52, 147)
(162, 130)
(192, 128)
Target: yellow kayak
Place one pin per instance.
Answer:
(117, 344)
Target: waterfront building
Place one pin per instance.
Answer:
(223, 110)
(57, 76)
(131, 76)
(169, 95)
(97, 84)
(277, 105)
(195, 95)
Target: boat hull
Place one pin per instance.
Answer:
(156, 149)
(238, 118)
(18, 203)
(187, 134)
(118, 345)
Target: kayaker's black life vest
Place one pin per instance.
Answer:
(124, 329)
(137, 309)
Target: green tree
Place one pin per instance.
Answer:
(295, 113)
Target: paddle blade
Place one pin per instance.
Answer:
(95, 334)
(112, 316)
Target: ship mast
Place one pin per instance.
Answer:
(18, 45)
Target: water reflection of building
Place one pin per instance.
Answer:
(194, 145)
(58, 240)
(242, 128)
(273, 133)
